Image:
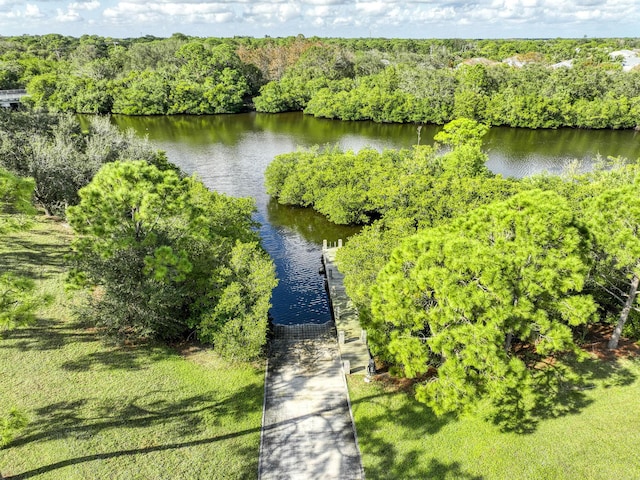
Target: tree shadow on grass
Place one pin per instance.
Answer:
(49, 334)
(562, 388)
(45, 334)
(437, 470)
(88, 417)
(118, 358)
(32, 258)
(248, 468)
(182, 420)
(415, 421)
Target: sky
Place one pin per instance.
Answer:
(324, 18)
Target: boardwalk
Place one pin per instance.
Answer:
(352, 339)
(307, 430)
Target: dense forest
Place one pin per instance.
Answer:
(582, 83)
(473, 281)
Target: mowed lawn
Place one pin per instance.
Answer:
(101, 411)
(593, 434)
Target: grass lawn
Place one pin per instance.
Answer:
(595, 435)
(99, 411)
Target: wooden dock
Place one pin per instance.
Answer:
(352, 340)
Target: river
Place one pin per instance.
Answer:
(231, 152)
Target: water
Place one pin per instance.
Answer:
(521, 152)
(231, 152)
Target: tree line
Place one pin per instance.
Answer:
(155, 255)
(535, 95)
(481, 286)
(383, 80)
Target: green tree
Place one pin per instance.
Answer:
(40, 89)
(53, 150)
(10, 424)
(614, 219)
(471, 91)
(16, 195)
(210, 80)
(462, 131)
(80, 95)
(365, 254)
(141, 93)
(18, 301)
(461, 296)
(162, 256)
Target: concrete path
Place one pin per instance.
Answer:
(307, 430)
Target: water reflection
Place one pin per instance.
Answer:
(307, 223)
(520, 152)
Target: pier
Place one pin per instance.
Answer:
(307, 427)
(352, 339)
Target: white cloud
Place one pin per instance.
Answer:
(68, 16)
(92, 5)
(72, 13)
(343, 21)
(8, 15)
(403, 18)
(288, 12)
(273, 13)
(32, 11)
(373, 8)
(588, 14)
(322, 11)
(326, 2)
(434, 15)
(132, 12)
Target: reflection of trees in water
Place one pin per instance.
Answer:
(321, 130)
(514, 144)
(312, 226)
(199, 130)
(229, 129)
(556, 146)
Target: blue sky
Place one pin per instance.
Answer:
(339, 18)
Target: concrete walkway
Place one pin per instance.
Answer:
(307, 429)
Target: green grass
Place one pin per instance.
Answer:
(106, 411)
(595, 434)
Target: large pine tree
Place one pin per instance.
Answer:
(461, 297)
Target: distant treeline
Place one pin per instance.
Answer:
(521, 83)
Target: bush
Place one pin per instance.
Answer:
(10, 424)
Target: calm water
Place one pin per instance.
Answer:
(231, 152)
